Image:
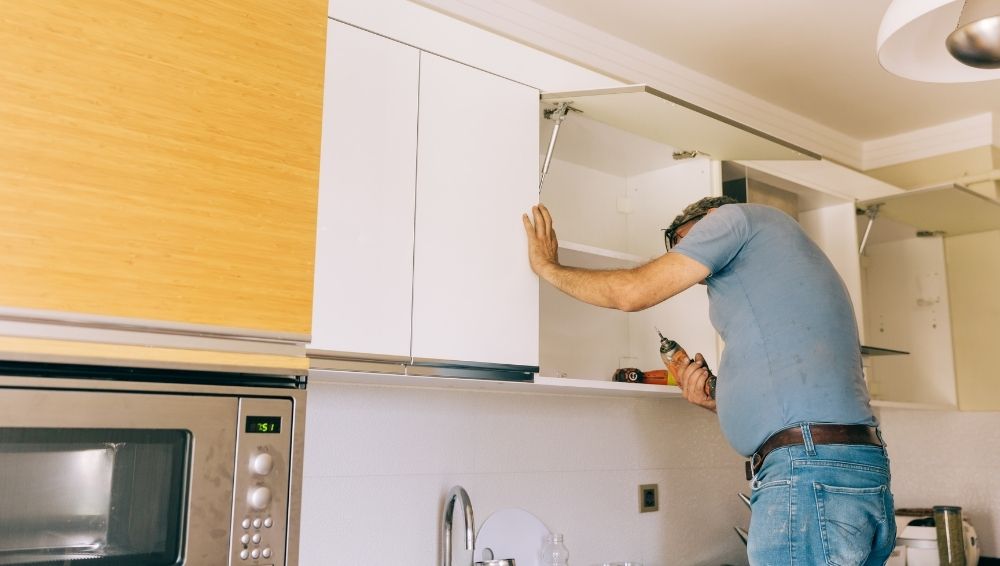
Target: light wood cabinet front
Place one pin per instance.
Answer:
(160, 159)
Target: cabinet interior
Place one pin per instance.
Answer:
(611, 193)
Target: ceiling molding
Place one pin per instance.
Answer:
(967, 133)
(559, 35)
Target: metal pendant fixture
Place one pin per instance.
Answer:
(976, 41)
(941, 41)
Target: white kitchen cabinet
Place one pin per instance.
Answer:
(427, 167)
(930, 268)
(364, 246)
(611, 193)
(907, 308)
(475, 298)
(614, 184)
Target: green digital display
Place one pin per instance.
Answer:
(264, 425)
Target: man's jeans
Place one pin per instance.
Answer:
(827, 504)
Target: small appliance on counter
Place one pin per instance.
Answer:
(917, 540)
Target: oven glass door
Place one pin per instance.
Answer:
(108, 478)
(114, 495)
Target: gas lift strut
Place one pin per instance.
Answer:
(872, 213)
(557, 114)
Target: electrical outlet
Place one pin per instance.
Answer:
(649, 498)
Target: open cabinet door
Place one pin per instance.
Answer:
(658, 116)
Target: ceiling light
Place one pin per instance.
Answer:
(976, 41)
(916, 36)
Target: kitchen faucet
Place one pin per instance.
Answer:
(457, 492)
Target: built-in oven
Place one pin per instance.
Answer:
(112, 466)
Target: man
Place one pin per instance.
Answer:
(790, 394)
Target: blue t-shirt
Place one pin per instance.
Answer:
(792, 352)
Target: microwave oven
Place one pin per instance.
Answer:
(118, 466)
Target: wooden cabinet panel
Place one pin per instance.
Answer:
(364, 248)
(475, 297)
(160, 158)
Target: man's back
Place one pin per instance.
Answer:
(792, 353)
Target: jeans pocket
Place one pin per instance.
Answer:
(848, 521)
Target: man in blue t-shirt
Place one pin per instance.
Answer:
(790, 393)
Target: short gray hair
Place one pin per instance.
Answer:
(699, 209)
(695, 210)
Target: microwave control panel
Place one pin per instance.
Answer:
(261, 482)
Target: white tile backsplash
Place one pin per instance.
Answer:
(380, 459)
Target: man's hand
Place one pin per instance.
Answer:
(692, 378)
(543, 247)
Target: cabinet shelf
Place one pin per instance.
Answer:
(876, 351)
(548, 385)
(582, 255)
(541, 384)
(599, 387)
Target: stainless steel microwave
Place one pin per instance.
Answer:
(113, 466)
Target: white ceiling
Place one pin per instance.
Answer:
(815, 58)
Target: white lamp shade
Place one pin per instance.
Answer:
(911, 43)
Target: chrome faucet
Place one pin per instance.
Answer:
(457, 492)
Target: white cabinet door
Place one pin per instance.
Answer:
(364, 248)
(475, 297)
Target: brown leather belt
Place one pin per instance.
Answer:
(821, 434)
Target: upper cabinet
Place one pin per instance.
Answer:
(930, 266)
(364, 246)
(428, 165)
(160, 164)
(475, 298)
(611, 193)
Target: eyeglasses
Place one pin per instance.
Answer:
(670, 236)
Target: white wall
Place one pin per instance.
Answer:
(948, 458)
(379, 461)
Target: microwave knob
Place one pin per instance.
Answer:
(259, 497)
(261, 463)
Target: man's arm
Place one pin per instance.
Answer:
(624, 289)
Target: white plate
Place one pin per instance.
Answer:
(512, 533)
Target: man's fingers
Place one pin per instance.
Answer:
(547, 216)
(540, 228)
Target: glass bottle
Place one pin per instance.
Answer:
(554, 552)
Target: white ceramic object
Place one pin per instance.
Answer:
(921, 543)
(512, 533)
